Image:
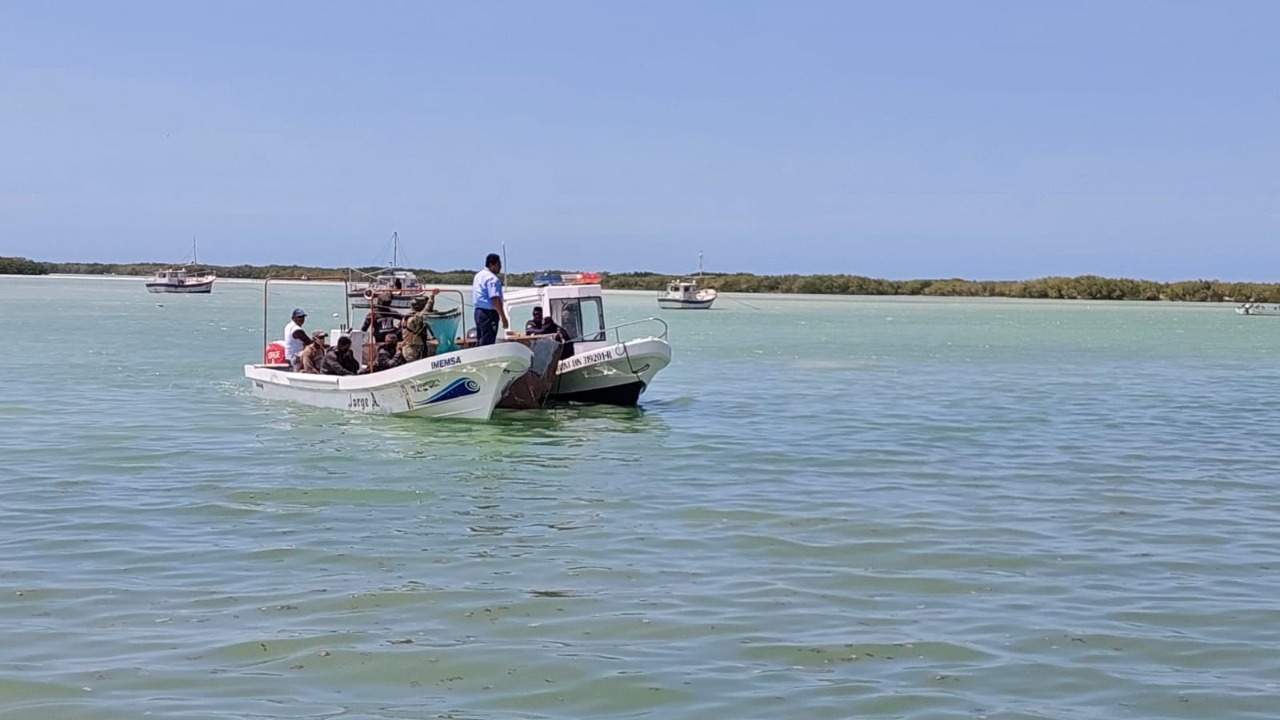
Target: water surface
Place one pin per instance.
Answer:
(826, 508)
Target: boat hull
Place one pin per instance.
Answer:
(1258, 309)
(191, 288)
(614, 374)
(531, 391)
(466, 384)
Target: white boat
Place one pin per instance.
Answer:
(601, 365)
(1258, 309)
(462, 383)
(179, 280)
(686, 293)
(400, 284)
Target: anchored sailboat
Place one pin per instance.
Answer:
(685, 293)
(177, 279)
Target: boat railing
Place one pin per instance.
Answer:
(617, 329)
(401, 315)
(266, 285)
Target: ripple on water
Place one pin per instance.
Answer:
(977, 509)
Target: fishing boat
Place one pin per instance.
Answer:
(1258, 309)
(398, 284)
(599, 364)
(460, 382)
(687, 293)
(178, 279)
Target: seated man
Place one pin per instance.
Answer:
(540, 325)
(340, 360)
(311, 359)
(388, 354)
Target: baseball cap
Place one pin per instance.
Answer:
(299, 312)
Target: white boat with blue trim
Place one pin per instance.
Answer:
(460, 382)
(464, 384)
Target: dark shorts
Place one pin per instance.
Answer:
(486, 326)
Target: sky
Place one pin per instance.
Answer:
(910, 139)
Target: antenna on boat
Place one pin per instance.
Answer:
(504, 262)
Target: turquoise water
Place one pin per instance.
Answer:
(826, 508)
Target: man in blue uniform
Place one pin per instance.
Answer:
(486, 296)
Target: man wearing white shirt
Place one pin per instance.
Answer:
(295, 338)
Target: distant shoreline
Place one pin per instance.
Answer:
(1083, 287)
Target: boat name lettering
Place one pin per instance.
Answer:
(362, 403)
(445, 362)
(578, 361)
(424, 385)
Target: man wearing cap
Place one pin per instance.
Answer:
(295, 338)
(416, 329)
(311, 359)
(486, 296)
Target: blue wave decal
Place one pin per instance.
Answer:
(461, 387)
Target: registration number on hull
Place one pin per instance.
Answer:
(590, 358)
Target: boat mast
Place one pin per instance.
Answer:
(699, 264)
(395, 249)
(195, 259)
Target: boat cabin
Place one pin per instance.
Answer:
(682, 289)
(579, 309)
(173, 276)
(386, 280)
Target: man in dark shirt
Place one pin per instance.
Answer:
(540, 325)
(388, 354)
(381, 317)
(339, 360)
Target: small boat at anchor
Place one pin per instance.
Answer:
(399, 285)
(177, 279)
(463, 382)
(687, 293)
(1258, 309)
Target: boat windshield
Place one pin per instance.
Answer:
(581, 318)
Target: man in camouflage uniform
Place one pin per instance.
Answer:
(416, 330)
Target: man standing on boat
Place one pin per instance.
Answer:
(416, 329)
(295, 338)
(486, 295)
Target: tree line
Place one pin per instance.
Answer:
(22, 266)
(1083, 287)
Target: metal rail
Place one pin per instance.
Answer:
(617, 336)
(266, 283)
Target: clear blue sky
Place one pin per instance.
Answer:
(914, 139)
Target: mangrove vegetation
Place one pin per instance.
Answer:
(1083, 287)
